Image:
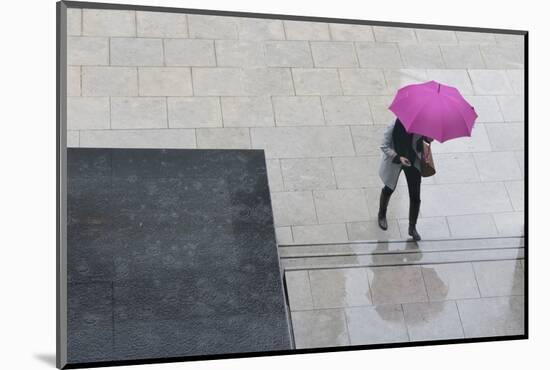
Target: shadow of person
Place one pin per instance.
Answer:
(47, 358)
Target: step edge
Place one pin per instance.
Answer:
(335, 267)
(329, 255)
(390, 241)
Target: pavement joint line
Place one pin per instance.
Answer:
(309, 287)
(191, 82)
(166, 111)
(80, 77)
(163, 46)
(288, 311)
(135, 23)
(475, 278)
(405, 321)
(314, 206)
(424, 286)
(347, 326)
(311, 53)
(187, 26)
(447, 224)
(291, 232)
(221, 115)
(291, 71)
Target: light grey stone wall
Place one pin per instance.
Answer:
(314, 96)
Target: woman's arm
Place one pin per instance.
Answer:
(420, 144)
(386, 146)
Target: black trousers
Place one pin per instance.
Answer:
(413, 183)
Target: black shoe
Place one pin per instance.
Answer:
(382, 222)
(412, 232)
(414, 209)
(384, 200)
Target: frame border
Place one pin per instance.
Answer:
(61, 185)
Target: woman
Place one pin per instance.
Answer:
(401, 151)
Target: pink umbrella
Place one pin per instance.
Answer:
(434, 110)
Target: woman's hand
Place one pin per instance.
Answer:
(405, 162)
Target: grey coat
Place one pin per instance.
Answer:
(389, 171)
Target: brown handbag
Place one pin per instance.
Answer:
(427, 166)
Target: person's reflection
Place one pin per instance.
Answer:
(514, 311)
(397, 255)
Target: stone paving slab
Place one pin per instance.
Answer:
(157, 24)
(293, 208)
(184, 52)
(109, 81)
(100, 22)
(260, 29)
(149, 138)
(288, 54)
(297, 30)
(487, 317)
(218, 138)
(212, 27)
(87, 113)
(351, 32)
(339, 288)
(87, 51)
(194, 112)
(247, 111)
(160, 81)
(138, 113)
(499, 278)
(376, 324)
(307, 174)
(74, 22)
(326, 233)
(433, 321)
(378, 55)
(320, 328)
(450, 281)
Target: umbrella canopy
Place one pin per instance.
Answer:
(434, 110)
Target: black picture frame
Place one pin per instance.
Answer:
(61, 181)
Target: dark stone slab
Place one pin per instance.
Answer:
(172, 253)
(201, 336)
(90, 322)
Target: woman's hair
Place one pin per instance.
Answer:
(401, 139)
(398, 122)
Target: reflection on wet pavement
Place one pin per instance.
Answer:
(367, 301)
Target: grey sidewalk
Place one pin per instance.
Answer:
(315, 97)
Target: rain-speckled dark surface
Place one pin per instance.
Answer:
(171, 253)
